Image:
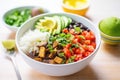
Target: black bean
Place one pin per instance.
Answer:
(84, 27)
(59, 47)
(78, 24)
(67, 26)
(88, 30)
(71, 26)
(46, 61)
(72, 23)
(31, 54)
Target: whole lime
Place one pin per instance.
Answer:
(110, 26)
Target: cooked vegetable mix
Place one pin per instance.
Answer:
(69, 41)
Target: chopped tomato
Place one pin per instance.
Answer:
(86, 54)
(79, 39)
(93, 44)
(67, 52)
(77, 51)
(68, 46)
(87, 36)
(75, 40)
(72, 31)
(82, 50)
(84, 32)
(87, 42)
(91, 32)
(92, 37)
(65, 30)
(74, 49)
(90, 48)
(78, 57)
(85, 47)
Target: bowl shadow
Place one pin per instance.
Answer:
(86, 74)
(112, 49)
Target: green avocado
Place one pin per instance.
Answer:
(54, 24)
(65, 19)
(59, 24)
(110, 26)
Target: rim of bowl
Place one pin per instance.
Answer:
(15, 28)
(108, 36)
(48, 14)
(110, 39)
(65, 6)
(111, 42)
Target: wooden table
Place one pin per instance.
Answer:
(105, 65)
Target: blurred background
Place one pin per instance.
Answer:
(98, 9)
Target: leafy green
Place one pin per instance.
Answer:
(61, 54)
(75, 45)
(62, 39)
(71, 59)
(82, 37)
(50, 47)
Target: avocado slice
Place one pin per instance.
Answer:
(66, 21)
(47, 24)
(59, 24)
(62, 22)
(69, 20)
(54, 32)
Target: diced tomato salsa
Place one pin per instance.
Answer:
(84, 44)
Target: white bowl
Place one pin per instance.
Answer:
(15, 28)
(55, 69)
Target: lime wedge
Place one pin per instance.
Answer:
(8, 44)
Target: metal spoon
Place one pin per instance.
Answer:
(11, 55)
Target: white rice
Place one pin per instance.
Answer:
(31, 36)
